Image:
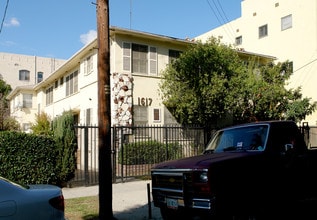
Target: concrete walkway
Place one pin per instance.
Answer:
(129, 202)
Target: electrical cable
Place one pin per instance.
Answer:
(4, 15)
(230, 33)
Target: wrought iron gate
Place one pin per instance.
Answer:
(134, 150)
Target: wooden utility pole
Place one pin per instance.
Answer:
(104, 115)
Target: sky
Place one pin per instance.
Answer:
(60, 28)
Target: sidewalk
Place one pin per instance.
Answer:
(129, 200)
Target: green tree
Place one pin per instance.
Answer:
(210, 85)
(260, 93)
(5, 89)
(195, 86)
(66, 142)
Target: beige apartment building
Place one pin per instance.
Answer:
(136, 62)
(274, 27)
(281, 28)
(137, 59)
(24, 70)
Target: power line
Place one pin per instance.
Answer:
(4, 15)
(213, 11)
(227, 20)
(221, 21)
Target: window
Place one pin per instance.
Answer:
(141, 58)
(156, 115)
(88, 65)
(286, 22)
(72, 83)
(49, 95)
(61, 80)
(56, 84)
(153, 62)
(26, 127)
(27, 100)
(24, 75)
(40, 77)
(263, 31)
(239, 40)
(173, 55)
(88, 116)
(126, 56)
(140, 115)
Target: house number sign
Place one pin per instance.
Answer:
(144, 101)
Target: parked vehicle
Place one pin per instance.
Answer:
(254, 170)
(18, 202)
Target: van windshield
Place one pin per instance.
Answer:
(239, 138)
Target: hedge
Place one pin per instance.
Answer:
(149, 152)
(27, 158)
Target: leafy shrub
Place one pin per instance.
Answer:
(149, 152)
(42, 125)
(27, 158)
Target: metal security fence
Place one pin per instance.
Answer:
(135, 150)
(87, 156)
(139, 148)
(310, 135)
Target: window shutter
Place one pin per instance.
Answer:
(153, 61)
(126, 56)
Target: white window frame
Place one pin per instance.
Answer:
(157, 112)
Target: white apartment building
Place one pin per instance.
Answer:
(24, 70)
(281, 28)
(136, 61)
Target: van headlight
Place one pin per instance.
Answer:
(203, 177)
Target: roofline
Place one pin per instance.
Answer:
(114, 30)
(76, 58)
(242, 51)
(19, 88)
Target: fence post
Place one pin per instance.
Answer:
(121, 147)
(166, 141)
(86, 156)
(114, 153)
(305, 132)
